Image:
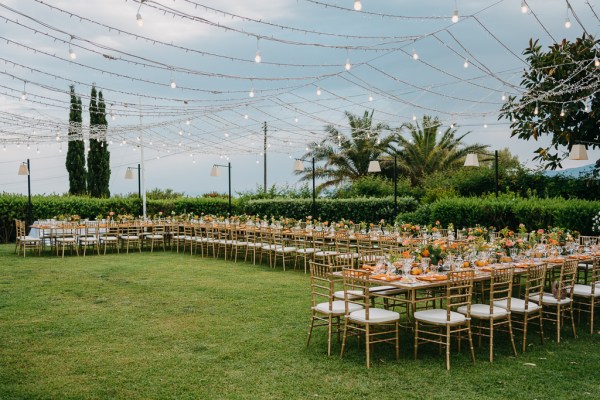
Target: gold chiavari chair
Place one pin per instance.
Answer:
(66, 238)
(523, 310)
(305, 248)
(109, 236)
(559, 304)
(437, 325)
(129, 236)
(326, 310)
(378, 325)
(24, 242)
(586, 296)
(156, 235)
(88, 237)
(489, 316)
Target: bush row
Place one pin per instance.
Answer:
(359, 209)
(508, 211)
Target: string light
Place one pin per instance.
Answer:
(187, 121)
(524, 7)
(245, 116)
(370, 98)
(251, 94)
(415, 56)
(503, 96)
(138, 16)
(455, 13)
(257, 57)
(296, 119)
(347, 66)
(536, 110)
(414, 117)
(562, 111)
(72, 54)
(357, 5)
(173, 84)
(318, 91)
(24, 94)
(568, 21)
(596, 62)
(466, 63)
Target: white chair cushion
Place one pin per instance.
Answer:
(154, 236)
(337, 307)
(326, 253)
(287, 249)
(352, 294)
(483, 311)
(517, 305)
(308, 250)
(108, 238)
(438, 316)
(585, 290)
(348, 256)
(129, 237)
(549, 299)
(376, 316)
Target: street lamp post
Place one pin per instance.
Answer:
(473, 161)
(25, 169)
(374, 166)
(299, 167)
(215, 172)
(129, 175)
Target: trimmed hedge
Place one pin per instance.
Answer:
(366, 209)
(507, 211)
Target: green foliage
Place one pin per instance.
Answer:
(98, 174)
(508, 211)
(357, 210)
(157, 194)
(274, 192)
(367, 186)
(75, 162)
(538, 111)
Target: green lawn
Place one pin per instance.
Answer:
(159, 325)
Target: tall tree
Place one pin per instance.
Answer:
(559, 98)
(346, 157)
(425, 151)
(75, 162)
(98, 157)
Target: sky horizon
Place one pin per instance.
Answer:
(181, 84)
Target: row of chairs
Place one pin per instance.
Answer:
(510, 302)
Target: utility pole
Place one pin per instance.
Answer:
(265, 157)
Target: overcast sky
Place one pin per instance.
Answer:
(406, 59)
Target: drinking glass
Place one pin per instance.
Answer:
(425, 264)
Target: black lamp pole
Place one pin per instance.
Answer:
(496, 167)
(313, 209)
(395, 189)
(29, 205)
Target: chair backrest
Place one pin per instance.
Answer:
(501, 282)
(357, 281)
(459, 291)
(321, 283)
(588, 240)
(370, 257)
(19, 228)
(535, 280)
(595, 275)
(566, 280)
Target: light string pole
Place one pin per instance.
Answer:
(299, 167)
(473, 161)
(216, 172)
(374, 166)
(25, 169)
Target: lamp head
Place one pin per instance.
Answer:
(129, 173)
(298, 166)
(578, 152)
(471, 160)
(374, 166)
(23, 170)
(214, 171)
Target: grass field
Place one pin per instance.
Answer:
(168, 326)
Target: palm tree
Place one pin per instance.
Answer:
(425, 151)
(346, 158)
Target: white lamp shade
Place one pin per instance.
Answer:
(374, 166)
(23, 169)
(214, 171)
(129, 173)
(471, 160)
(298, 166)
(578, 152)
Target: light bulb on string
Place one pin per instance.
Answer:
(357, 5)
(347, 66)
(536, 111)
(138, 16)
(568, 23)
(370, 98)
(187, 122)
(257, 57)
(562, 112)
(318, 91)
(72, 54)
(466, 63)
(455, 13)
(524, 7)
(173, 84)
(586, 108)
(245, 116)
(503, 96)
(24, 94)
(251, 94)
(485, 125)
(414, 117)
(596, 62)
(415, 56)
(296, 119)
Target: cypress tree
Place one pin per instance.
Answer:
(98, 175)
(75, 162)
